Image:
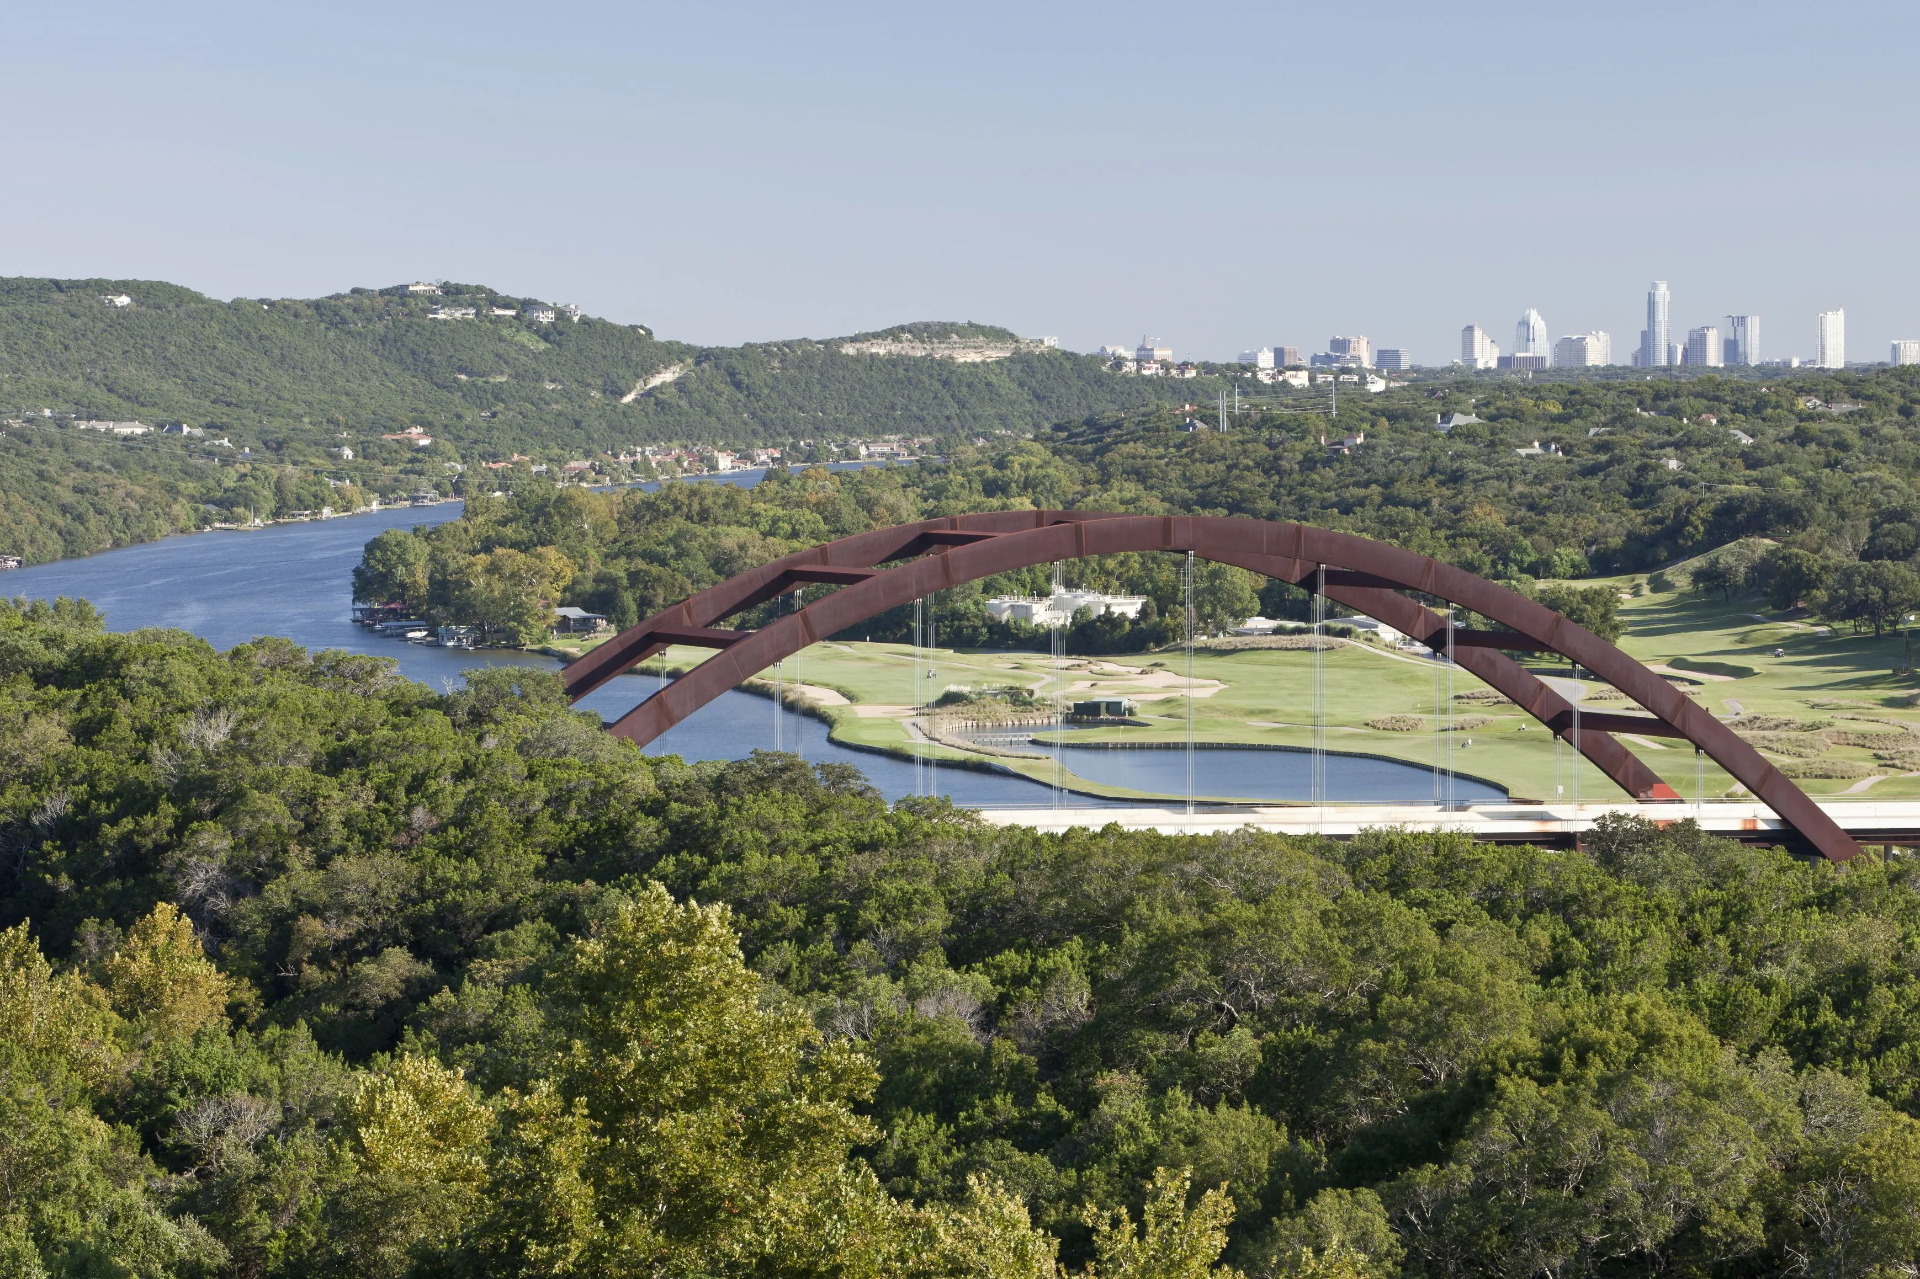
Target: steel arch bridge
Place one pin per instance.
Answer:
(885, 568)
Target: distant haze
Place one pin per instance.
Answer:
(1217, 176)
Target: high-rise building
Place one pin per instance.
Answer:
(1830, 342)
(1394, 358)
(1906, 351)
(1523, 362)
(1583, 351)
(1530, 335)
(1287, 357)
(1261, 359)
(1743, 339)
(1703, 347)
(1150, 349)
(1355, 349)
(1478, 350)
(1655, 340)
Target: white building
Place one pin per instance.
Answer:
(1703, 347)
(451, 313)
(1830, 341)
(1386, 634)
(1583, 350)
(421, 286)
(1906, 351)
(1150, 351)
(1261, 359)
(1743, 339)
(117, 300)
(1478, 350)
(1394, 359)
(1355, 350)
(1058, 609)
(1656, 344)
(1530, 336)
(501, 310)
(1295, 377)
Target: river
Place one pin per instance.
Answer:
(294, 580)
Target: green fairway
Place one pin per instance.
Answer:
(1829, 703)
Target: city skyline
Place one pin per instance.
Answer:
(1734, 340)
(951, 170)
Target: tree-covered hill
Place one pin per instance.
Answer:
(293, 381)
(377, 359)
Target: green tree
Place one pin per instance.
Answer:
(511, 592)
(722, 1127)
(392, 569)
(161, 981)
(1171, 1243)
(1794, 577)
(1877, 593)
(1595, 607)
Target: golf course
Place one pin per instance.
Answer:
(1823, 704)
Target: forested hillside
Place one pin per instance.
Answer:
(314, 971)
(292, 381)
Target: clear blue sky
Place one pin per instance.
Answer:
(1216, 175)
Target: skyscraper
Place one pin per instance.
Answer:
(1478, 350)
(1655, 338)
(1743, 339)
(1530, 335)
(1906, 351)
(1830, 342)
(1703, 347)
(1583, 351)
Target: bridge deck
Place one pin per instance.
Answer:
(1515, 823)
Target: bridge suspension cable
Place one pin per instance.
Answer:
(1317, 683)
(1186, 588)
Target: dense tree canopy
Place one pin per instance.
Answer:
(308, 969)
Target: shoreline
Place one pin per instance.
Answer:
(261, 527)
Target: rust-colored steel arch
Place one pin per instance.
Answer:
(885, 568)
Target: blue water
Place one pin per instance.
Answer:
(1269, 775)
(294, 580)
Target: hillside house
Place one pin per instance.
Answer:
(540, 313)
(116, 300)
(419, 438)
(421, 286)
